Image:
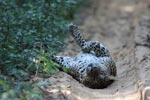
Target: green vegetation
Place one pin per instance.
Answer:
(30, 30)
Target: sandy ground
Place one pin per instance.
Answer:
(124, 27)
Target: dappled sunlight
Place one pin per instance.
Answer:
(64, 85)
(79, 98)
(64, 91)
(52, 90)
(93, 94)
(129, 8)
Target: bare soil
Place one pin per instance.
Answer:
(124, 27)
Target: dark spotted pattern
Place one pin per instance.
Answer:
(87, 47)
(75, 32)
(93, 67)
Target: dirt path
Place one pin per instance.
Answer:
(124, 27)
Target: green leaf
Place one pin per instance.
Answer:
(42, 83)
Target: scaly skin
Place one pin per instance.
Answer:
(93, 66)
